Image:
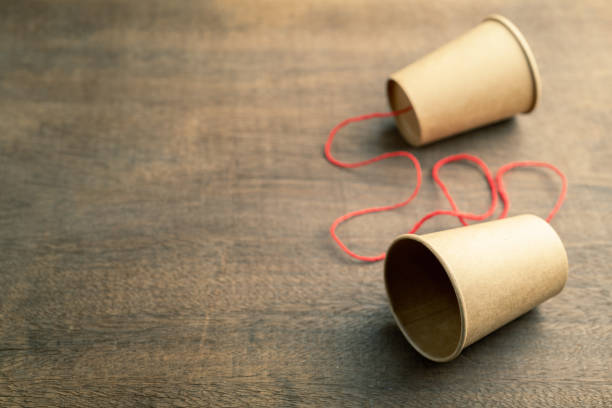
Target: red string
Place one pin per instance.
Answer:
(383, 156)
(504, 194)
(495, 185)
(455, 212)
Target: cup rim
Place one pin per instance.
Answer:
(460, 301)
(533, 67)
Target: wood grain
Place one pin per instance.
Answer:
(165, 204)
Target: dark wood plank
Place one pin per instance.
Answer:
(164, 205)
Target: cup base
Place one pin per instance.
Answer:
(407, 123)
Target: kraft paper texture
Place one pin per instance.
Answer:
(486, 75)
(449, 289)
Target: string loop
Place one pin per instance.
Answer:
(496, 184)
(513, 165)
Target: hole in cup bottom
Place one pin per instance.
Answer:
(423, 298)
(407, 123)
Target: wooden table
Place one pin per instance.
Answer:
(165, 205)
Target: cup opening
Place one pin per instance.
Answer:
(408, 122)
(533, 67)
(423, 299)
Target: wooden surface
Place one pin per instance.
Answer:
(165, 205)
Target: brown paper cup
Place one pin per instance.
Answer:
(451, 288)
(487, 74)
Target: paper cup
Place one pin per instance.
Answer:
(487, 74)
(449, 289)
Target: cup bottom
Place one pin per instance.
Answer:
(407, 123)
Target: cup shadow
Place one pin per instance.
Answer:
(391, 356)
(498, 136)
(501, 132)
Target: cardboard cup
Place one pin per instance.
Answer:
(449, 289)
(486, 75)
